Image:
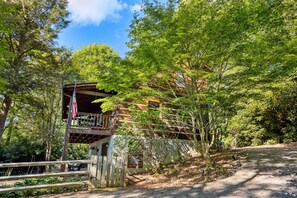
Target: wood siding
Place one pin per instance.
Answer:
(169, 124)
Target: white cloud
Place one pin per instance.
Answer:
(135, 8)
(94, 11)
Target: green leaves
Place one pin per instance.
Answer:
(206, 56)
(31, 34)
(95, 61)
(28, 30)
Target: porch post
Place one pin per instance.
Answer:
(67, 136)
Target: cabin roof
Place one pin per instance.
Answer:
(86, 93)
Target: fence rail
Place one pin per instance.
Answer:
(102, 172)
(45, 163)
(62, 174)
(4, 190)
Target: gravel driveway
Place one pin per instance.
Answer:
(267, 172)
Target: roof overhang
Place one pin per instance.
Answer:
(86, 94)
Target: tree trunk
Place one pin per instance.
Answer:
(9, 132)
(48, 154)
(48, 151)
(208, 162)
(3, 113)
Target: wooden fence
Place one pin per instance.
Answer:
(43, 175)
(108, 172)
(102, 172)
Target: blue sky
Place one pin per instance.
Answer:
(99, 21)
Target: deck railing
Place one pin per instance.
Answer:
(101, 121)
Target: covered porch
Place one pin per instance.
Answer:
(90, 124)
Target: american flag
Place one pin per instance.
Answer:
(74, 105)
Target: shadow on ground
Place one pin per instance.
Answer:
(267, 172)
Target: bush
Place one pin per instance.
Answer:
(256, 142)
(272, 141)
(39, 181)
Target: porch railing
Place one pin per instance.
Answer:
(101, 121)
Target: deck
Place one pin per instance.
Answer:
(90, 127)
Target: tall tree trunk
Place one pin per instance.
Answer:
(10, 128)
(48, 151)
(48, 154)
(3, 113)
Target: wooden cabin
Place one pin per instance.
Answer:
(99, 130)
(91, 124)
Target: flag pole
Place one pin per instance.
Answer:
(67, 133)
(74, 111)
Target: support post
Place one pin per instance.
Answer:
(67, 136)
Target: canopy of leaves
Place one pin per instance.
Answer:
(34, 26)
(94, 61)
(33, 70)
(206, 56)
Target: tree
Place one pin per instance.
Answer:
(7, 11)
(191, 63)
(273, 51)
(47, 124)
(34, 28)
(94, 61)
(267, 118)
(38, 121)
(203, 56)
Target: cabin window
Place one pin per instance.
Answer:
(135, 157)
(104, 149)
(153, 105)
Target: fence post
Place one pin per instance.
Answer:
(99, 170)
(103, 179)
(93, 171)
(94, 162)
(124, 168)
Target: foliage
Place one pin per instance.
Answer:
(38, 119)
(78, 151)
(280, 116)
(29, 40)
(21, 149)
(228, 66)
(207, 62)
(268, 119)
(94, 61)
(40, 181)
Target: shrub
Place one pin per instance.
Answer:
(37, 192)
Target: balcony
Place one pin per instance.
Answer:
(90, 127)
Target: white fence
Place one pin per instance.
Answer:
(108, 172)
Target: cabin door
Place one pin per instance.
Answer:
(104, 149)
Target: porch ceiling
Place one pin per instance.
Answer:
(85, 95)
(84, 138)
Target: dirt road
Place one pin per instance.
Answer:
(267, 172)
